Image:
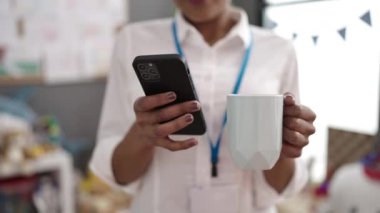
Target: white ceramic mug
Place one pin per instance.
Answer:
(254, 127)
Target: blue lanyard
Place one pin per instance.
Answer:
(215, 147)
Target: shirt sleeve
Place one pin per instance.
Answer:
(117, 115)
(265, 195)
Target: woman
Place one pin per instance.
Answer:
(134, 148)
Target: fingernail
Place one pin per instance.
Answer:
(171, 96)
(189, 118)
(193, 142)
(290, 96)
(195, 105)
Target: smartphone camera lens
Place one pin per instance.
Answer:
(149, 72)
(153, 71)
(146, 76)
(141, 67)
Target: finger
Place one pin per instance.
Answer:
(149, 103)
(300, 111)
(294, 138)
(299, 125)
(165, 129)
(289, 99)
(174, 111)
(290, 151)
(171, 145)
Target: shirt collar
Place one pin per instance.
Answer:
(240, 30)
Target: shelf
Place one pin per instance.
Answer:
(20, 81)
(38, 80)
(49, 162)
(58, 161)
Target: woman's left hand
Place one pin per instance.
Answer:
(297, 127)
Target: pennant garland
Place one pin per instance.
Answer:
(342, 33)
(366, 18)
(294, 36)
(315, 39)
(271, 24)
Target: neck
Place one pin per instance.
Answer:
(215, 29)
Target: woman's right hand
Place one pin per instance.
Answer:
(153, 126)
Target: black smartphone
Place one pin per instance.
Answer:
(168, 72)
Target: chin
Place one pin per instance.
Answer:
(200, 19)
(201, 16)
(198, 11)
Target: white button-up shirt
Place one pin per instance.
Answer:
(165, 187)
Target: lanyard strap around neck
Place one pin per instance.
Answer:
(214, 147)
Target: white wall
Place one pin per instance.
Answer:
(338, 79)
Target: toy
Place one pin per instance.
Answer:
(352, 190)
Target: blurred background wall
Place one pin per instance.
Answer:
(336, 42)
(77, 103)
(87, 90)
